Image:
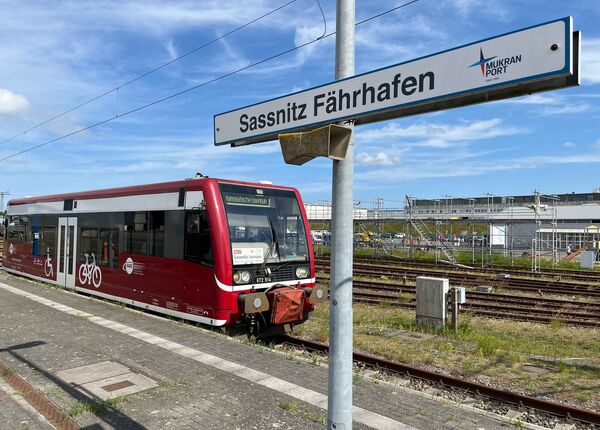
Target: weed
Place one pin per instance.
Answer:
(405, 297)
(316, 359)
(385, 303)
(290, 407)
(487, 345)
(316, 417)
(95, 408)
(7, 372)
(356, 378)
(179, 382)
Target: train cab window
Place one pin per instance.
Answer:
(197, 238)
(88, 244)
(136, 233)
(109, 247)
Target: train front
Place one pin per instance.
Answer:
(271, 270)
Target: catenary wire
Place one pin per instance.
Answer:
(149, 72)
(210, 81)
(324, 20)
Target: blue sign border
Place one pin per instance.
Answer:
(568, 34)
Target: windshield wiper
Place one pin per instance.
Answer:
(273, 244)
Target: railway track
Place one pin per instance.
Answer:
(537, 286)
(551, 273)
(493, 305)
(445, 381)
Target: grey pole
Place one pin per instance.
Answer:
(339, 411)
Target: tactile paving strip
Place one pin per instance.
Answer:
(37, 400)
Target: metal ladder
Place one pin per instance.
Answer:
(446, 247)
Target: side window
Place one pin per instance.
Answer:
(18, 229)
(47, 243)
(88, 244)
(197, 238)
(109, 247)
(136, 233)
(157, 233)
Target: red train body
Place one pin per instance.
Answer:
(219, 252)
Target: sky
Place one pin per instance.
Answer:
(57, 55)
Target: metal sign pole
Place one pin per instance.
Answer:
(339, 412)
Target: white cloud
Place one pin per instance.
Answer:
(569, 145)
(11, 103)
(379, 159)
(169, 45)
(412, 171)
(535, 99)
(590, 61)
(566, 108)
(440, 135)
(479, 7)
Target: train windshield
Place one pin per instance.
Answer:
(265, 225)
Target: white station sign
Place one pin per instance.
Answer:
(529, 60)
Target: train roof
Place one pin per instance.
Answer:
(136, 190)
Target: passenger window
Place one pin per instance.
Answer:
(18, 229)
(88, 244)
(136, 233)
(197, 238)
(48, 241)
(109, 247)
(157, 225)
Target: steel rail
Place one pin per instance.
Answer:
(574, 274)
(554, 408)
(537, 285)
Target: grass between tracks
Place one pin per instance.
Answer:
(554, 361)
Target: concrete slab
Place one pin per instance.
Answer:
(117, 386)
(92, 372)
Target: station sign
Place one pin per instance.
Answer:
(533, 59)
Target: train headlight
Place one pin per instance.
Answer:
(257, 302)
(241, 277)
(302, 272)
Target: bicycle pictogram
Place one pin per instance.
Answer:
(89, 273)
(48, 269)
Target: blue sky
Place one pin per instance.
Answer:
(56, 55)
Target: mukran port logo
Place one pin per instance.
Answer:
(492, 68)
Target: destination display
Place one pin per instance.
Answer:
(518, 61)
(246, 200)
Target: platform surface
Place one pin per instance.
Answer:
(167, 375)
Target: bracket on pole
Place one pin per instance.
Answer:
(329, 141)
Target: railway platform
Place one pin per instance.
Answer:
(104, 366)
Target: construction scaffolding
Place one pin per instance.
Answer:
(482, 231)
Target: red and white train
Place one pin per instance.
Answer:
(219, 252)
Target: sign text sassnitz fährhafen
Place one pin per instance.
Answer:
(513, 59)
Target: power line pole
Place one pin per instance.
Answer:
(339, 411)
(2, 194)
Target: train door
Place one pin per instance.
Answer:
(66, 261)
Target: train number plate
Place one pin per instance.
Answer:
(263, 279)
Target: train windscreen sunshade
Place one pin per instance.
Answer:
(265, 225)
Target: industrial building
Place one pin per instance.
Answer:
(547, 225)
